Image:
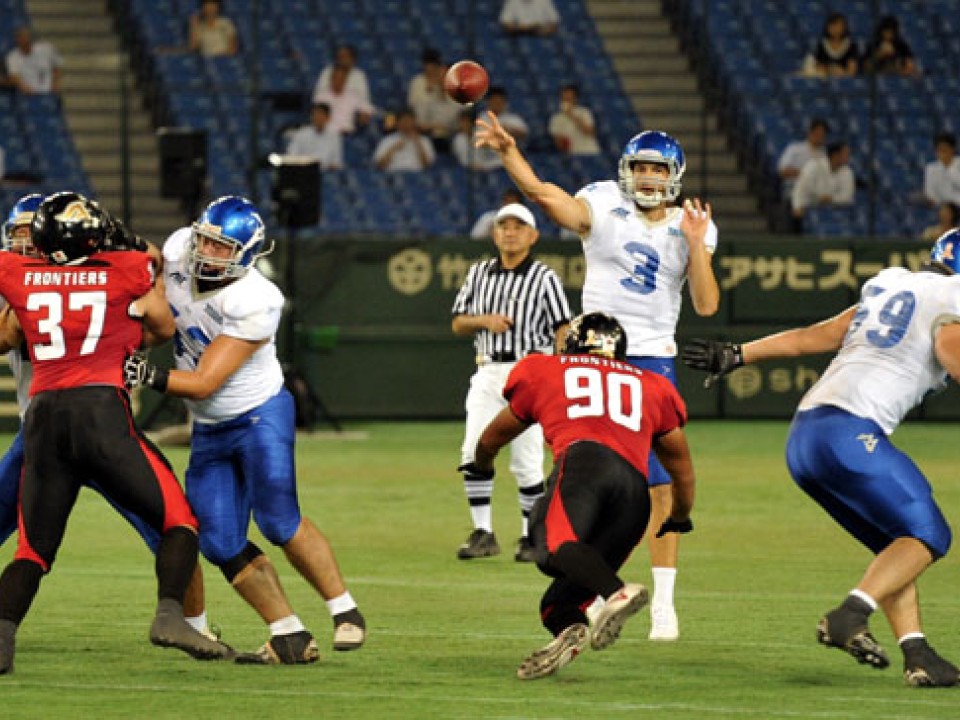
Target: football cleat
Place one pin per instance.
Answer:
(169, 629)
(923, 667)
(847, 631)
(481, 543)
(348, 636)
(663, 623)
(297, 648)
(619, 607)
(556, 654)
(526, 552)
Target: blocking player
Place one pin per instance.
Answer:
(81, 311)
(600, 416)
(513, 305)
(640, 250)
(15, 237)
(242, 444)
(901, 341)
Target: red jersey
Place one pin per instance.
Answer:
(74, 317)
(587, 397)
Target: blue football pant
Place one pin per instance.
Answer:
(666, 366)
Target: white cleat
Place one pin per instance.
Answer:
(619, 607)
(555, 655)
(664, 626)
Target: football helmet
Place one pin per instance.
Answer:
(596, 333)
(656, 147)
(232, 225)
(16, 229)
(67, 228)
(946, 250)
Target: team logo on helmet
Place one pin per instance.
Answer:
(75, 212)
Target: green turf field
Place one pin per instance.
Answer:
(446, 636)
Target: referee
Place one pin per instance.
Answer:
(515, 306)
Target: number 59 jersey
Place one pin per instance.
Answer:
(887, 362)
(587, 397)
(74, 317)
(636, 268)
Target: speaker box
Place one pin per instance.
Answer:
(296, 192)
(183, 161)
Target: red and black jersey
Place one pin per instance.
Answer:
(586, 397)
(74, 318)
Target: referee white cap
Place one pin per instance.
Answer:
(518, 211)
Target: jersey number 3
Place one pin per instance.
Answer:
(619, 398)
(95, 302)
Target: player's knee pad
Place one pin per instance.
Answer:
(232, 567)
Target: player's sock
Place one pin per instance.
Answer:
(198, 622)
(341, 604)
(286, 626)
(479, 492)
(664, 579)
(528, 496)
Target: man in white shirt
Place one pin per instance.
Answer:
(405, 150)
(573, 129)
(317, 140)
(799, 152)
(346, 109)
(825, 181)
(513, 123)
(34, 67)
(941, 178)
(345, 56)
(435, 112)
(529, 17)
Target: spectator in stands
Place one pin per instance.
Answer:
(836, 53)
(345, 56)
(347, 111)
(572, 128)
(888, 53)
(483, 227)
(797, 153)
(512, 123)
(529, 17)
(212, 34)
(825, 181)
(406, 149)
(318, 140)
(34, 67)
(435, 112)
(941, 177)
(948, 218)
(464, 151)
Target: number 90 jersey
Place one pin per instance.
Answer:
(74, 317)
(587, 397)
(887, 362)
(636, 268)
(248, 308)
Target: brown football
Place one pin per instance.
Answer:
(466, 82)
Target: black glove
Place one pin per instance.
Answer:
(138, 371)
(472, 470)
(715, 357)
(672, 526)
(120, 237)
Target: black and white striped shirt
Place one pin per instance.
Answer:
(531, 295)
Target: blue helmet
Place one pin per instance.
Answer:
(946, 250)
(230, 222)
(656, 147)
(16, 229)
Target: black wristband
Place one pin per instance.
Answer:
(158, 379)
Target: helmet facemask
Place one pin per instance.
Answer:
(231, 262)
(668, 190)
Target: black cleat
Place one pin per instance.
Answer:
(169, 629)
(8, 644)
(481, 543)
(848, 631)
(297, 648)
(526, 552)
(922, 667)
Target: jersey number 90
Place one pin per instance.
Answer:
(619, 397)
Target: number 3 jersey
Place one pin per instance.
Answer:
(636, 268)
(586, 397)
(249, 308)
(74, 317)
(887, 362)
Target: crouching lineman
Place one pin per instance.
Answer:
(242, 445)
(81, 311)
(600, 415)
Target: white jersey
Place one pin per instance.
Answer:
(22, 371)
(248, 309)
(636, 268)
(887, 363)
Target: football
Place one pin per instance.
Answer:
(466, 82)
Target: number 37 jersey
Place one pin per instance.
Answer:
(887, 362)
(586, 397)
(74, 317)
